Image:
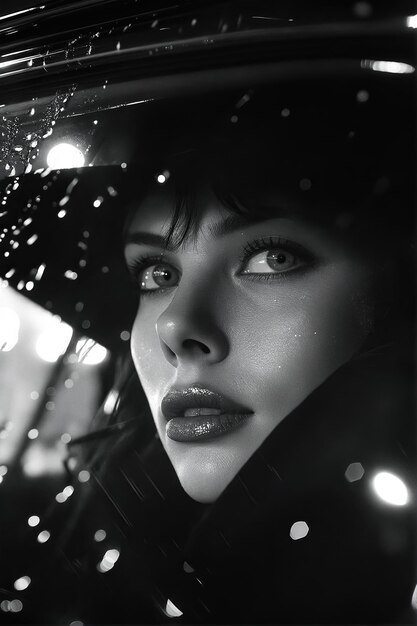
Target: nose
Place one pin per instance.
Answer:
(189, 333)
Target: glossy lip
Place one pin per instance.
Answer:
(227, 415)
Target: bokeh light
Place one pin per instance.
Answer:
(53, 341)
(390, 488)
(65, 156)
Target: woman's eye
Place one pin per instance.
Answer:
(272, 262)
(160, 276)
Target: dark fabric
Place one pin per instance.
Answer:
(234, 561)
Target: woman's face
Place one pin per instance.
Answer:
(235, 328)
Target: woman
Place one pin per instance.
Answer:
(272, 342)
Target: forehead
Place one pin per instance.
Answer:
(156, 211)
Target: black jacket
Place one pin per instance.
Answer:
(239, 560)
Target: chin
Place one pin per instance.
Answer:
(200, 489)
(204, 469)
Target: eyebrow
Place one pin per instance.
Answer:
(224, 227)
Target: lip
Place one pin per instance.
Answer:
(226, 416)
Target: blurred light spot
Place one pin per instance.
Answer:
(9, 329)
(112, 191)
(33, 433)
(390, 488)
(97, 202)
(285, 112)
(29, 285)
(34, 395)
(391, 67)
(89, 352)
(64, 156)
(79, 306)
(234, 119)
(15, 606)
(123, 166)
(362, 95)
(84, 476)
(69, 384)
(33, 520)
(100, 535)
(43, 536)
(62, 213)
(86, 324)
(60, 498)
(49, 406)
(299, 530)
(108, 561)
(412, 21)
(71, 275)
(5, 605)
(77, 623)
(66, 437)
(171, 610)
(161, 179)
(68, 491)
(53, 342)
(111, 401)
(125, 335)
(32, 240)
(10, 273)
(354, 472)
(22, 583)
(3, 470)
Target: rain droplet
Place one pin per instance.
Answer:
(33, 520)
(125, 335)
(32, 111)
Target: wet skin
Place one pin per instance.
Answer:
(262, 328)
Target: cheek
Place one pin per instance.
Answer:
(296, 339)
(146, 352)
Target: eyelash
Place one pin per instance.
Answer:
(138, 265)
(250, 249)
(263, 244)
